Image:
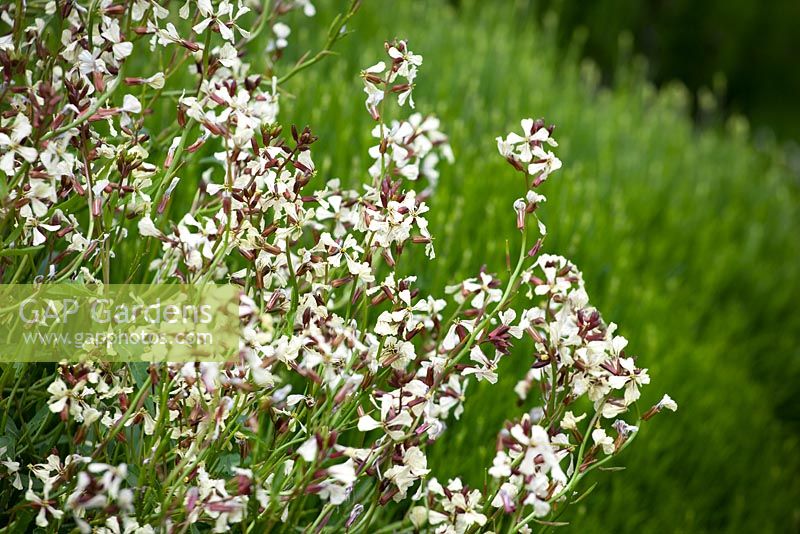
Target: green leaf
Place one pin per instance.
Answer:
(21, 251)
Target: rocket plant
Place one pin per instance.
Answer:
(347, 374)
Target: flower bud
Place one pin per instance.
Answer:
(520, 206)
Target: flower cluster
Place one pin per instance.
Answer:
(380, 80)
(454, 508)
(527, 153)
(346, 372)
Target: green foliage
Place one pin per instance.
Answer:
(686, 238)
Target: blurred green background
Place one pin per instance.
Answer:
(744, 52)
(687, 231)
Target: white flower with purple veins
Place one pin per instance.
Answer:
(452, 338)
(484, 290)
(462, 507)
(44, 504)
(11, 144)
(223, 16)
(111, 33)
(486, 368)
(630, 378)
(555, 281)
(398, 409)
(624, 429)
(539, 454)
(544, 164)
(403, 475)
(521, 146)
(89, 64)
(40, 196)
(406, 61)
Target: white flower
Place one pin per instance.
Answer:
(374, 93)
(486, 368)
(623, 428)
(409, 59)
(360, 270)
(367, 423)
(308, 450)
(606, 442)
(147, 228)
(667, 402)
(570, 422)
(156, 81)
(130, 104)
(120, 48)
(337, 487)
(44, 504)
(452, 338)
(11, 144)
(89, 64)
(418, 515)
(536, 446)
(507, 492)
(414, 466)
(7, 42)
(629, 377)
(281, 32)
(308, 8)
(501, 465)
(543, 164)
(12, 468)
(519, 146)
(224, 17)
(59, 395)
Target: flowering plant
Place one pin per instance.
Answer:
(346, 373)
